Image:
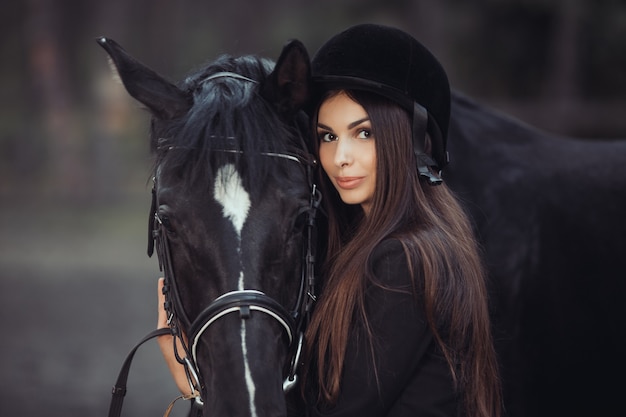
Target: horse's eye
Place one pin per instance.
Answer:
(299, 222)
(166, 219)
(167, 223)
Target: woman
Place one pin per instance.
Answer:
(401, 326)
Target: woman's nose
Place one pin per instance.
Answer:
(343, 153)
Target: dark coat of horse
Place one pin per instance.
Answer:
(549, 213)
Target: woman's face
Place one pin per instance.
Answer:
(347, 150)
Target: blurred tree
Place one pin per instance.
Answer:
(51, 84)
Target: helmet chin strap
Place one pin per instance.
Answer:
(424, 161)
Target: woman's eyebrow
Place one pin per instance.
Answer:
(358, 122)
(323, 126)
(350, 126)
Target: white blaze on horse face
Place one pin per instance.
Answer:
(229, 192)
(247, 373)
(235, 201)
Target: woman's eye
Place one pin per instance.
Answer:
(326, 136)
(364, 134)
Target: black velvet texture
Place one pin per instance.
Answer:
(389, 62)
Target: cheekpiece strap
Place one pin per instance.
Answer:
(151, 219)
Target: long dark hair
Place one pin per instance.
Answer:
(440, 247)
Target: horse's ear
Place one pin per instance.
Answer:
(289, 85)
(163, 99)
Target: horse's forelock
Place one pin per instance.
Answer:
(229, 115)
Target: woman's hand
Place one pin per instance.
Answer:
(167, 346)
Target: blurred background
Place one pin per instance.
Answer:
(76, 287)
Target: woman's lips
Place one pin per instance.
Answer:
(348, 183)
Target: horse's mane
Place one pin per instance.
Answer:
(228, 122)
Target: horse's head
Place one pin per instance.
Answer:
(232, 213)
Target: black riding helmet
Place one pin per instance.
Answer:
(390, 62)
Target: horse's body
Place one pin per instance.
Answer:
(232, 205)
(549, 212)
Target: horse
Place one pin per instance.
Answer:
(233, 221)
(548, 211)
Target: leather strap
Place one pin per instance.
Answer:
(119, 389)
(424, 161)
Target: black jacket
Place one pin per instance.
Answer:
(411, 377)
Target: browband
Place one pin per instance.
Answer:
(230, 75)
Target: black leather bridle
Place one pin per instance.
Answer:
(244, 301)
